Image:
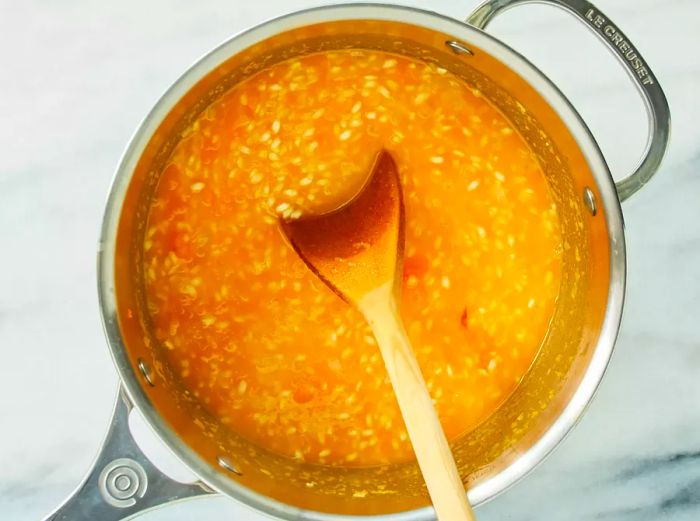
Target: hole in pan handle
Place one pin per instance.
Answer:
(122, 481)
(637, 68)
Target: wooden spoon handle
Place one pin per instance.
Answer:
(429, 443)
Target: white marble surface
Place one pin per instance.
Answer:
(77, 76)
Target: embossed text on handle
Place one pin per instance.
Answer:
(616, 38)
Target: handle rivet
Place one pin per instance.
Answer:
(122, 483)
(589, 200)
(225, 463)
(459, 48)
(145, 372)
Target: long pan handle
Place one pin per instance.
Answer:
(122, 481)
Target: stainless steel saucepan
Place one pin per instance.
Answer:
(551, 397)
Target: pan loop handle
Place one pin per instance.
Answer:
(637, 68)
(122, 481)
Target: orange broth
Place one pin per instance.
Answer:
(265, 346)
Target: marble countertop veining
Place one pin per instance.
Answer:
(76, 77)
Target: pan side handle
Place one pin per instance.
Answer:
(630, 58)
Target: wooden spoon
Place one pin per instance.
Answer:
(357, 250)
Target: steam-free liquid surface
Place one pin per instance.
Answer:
(266, 346)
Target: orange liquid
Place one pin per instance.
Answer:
(265, 345)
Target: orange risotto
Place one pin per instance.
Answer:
(271, 351)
